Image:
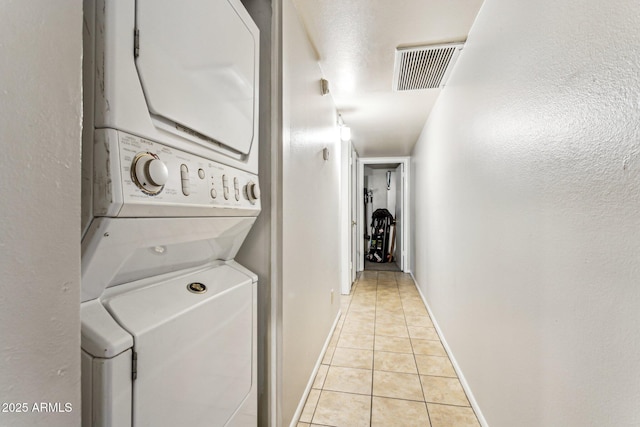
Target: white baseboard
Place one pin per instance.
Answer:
(463, 381)
(307, 390)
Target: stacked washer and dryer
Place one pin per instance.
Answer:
(170, 191)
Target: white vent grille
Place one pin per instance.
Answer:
(425, 67)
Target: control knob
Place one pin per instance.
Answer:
(149, 173)
(253, 191)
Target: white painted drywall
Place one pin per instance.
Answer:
(311, 241)
(527, 202)
(383, 198)
(255, 253)
(40, 125)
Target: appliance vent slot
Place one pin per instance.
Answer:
(425, 67)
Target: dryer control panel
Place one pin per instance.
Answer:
(137, 177)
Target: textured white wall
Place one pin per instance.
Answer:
(40, 116)
(527, 197)
(311, 213)
(377, 182)
(255, 253)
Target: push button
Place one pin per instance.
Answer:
(225, 187)
(184, 176)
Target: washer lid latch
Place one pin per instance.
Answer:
(197, 288)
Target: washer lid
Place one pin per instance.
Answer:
(198, 64)
(193, 347)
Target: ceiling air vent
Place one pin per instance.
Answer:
(424, 67)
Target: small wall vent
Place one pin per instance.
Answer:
(424, 67)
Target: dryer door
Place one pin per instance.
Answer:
(194, 350)
(198, 64)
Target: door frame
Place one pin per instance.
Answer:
(353, 213)
(362, 162)
(348, 216)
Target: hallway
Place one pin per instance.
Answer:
(385, 365)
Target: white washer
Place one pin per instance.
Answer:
(170, 191)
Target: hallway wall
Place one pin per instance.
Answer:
(311, 240)
(40, 125)
(526, 197)
(255, 253)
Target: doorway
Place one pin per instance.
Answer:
(383, 185)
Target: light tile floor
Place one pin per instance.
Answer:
(385, 364)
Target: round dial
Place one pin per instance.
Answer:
(253, 191)
(149, 173)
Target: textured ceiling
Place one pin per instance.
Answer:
(356, 40)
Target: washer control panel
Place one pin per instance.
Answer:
(158, 180)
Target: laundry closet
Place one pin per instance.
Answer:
(170, 192)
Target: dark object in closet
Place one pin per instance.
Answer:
(381, 223)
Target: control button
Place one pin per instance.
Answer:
(201, 173)
(214, 193)
(184, 175)
(253, 191)
(237, 195)
(236, 183)
(149, 173)
(225, 187)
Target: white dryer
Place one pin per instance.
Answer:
(170, 192)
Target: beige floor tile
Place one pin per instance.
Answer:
(364, 342)
(389, 309)
(366, 285)
(390, 318)
(303, 425)
(343, 410)
(423, 321)
(434, 365)
(394, 311)
(310, 406)
(443, 390)
(394, 362)
(429, 347)
(360, 303)
(394, 344)
(362, 308)
(348, 380)
(360, 317)
(391, 330)
(321, 376)
(411, 300)
(333, 342)
(326, 360)
(352, 358)
(393, 412)
(450, 416)
(415, 311)
(396, 385)
(422, 333)
(358, 328)
(391, 295)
